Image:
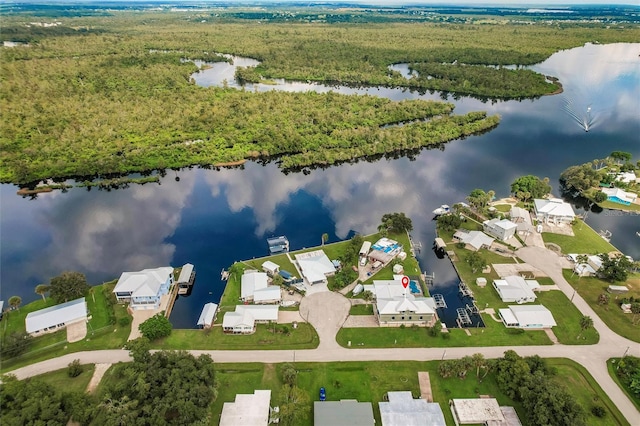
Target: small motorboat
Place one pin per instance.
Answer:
(443, 209)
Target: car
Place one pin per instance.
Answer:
(323, 394)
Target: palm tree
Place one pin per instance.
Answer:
(586, 322)
(41, 289)
(479, 361)
(15, 301)
(581, 261)
(325, 237)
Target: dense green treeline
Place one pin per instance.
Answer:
(116, 97)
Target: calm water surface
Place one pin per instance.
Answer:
(212, 218)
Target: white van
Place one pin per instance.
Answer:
(363, 261)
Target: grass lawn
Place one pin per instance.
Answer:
(616, 206)
(585, 241)
(303, 337)
(367, 382)
(619, 322)
(611, 367)
(567, 317)
(504, 208)
(587, 392)
(494, 334)
(59, 379)
(361, 310)
(279, 259)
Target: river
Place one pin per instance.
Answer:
(213, 218)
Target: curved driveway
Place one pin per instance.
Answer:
(327, 312)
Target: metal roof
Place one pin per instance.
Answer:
(59, 314)
(247, 410)
(185, 273)
(351, 412)
(208, 313)
(403, 410)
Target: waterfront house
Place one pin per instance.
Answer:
(56, 317)
(627, 177)
(346, 411)
(516, 289)
(243, 320)
(553, 210)
(144, 289)
(617, 195)
(522, 219)
(527, 317)
(254, 288)
(315, 266)
(588, 269)
(208, 315)
(473, 240)
(395, 306)
(247, 410)
(403, 409)
(502, 229)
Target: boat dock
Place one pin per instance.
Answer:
(186, 278)
(463, 317)
(440, 302)
(224, 275)
(439, 244)
(464, 290)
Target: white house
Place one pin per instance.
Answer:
(208, 315)
(247, 410)
(474, 239)
(620, 196)
(315, 266)
(245, 317)
(402, 409)
(553, 210)
(627, 177)
(527, 316)
(254, 287)
(588, 269)
(270, 268)
(502, 229)
(484, 411)
(54, 318)
(145, 288)
(522, 218)
(516, 289)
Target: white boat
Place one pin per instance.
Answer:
(443, 209)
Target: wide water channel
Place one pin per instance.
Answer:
(213, 218)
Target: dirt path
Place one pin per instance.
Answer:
(97, 376)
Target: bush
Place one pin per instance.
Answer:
(156, 327)
(598, 411)
(124, 321)
(75, 368)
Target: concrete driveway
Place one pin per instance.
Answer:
(326, 312)
(76, 331)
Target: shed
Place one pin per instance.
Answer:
(398, 268)
(617, 289)
(481, 282)
(208, 315)
(359, 288)
(331, 413)
(270, 268)
(55, 317)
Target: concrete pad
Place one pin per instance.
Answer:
(139, 317)
(97, 376)
(326, 312)
(425, 386)
(287, 317)
(361, 321)
(506, 269)
(76, 331)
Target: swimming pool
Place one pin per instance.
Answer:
(615, 199)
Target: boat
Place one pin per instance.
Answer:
(638, 233)
(443, 209)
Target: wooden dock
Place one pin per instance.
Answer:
(464, 290)
(463, 317)
(173, 294)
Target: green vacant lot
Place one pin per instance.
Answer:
(619, 322)
(61, 380)
(584, 241)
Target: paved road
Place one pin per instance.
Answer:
(327, 322)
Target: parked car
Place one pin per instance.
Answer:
(323, 394)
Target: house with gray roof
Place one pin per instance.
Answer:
(144, 289)
(516, 289)
(553, 210)
(404, 410)
(527, 317)
(345, 412)
(502, 229)
(247, 410)
(254, 287)
(473, 240)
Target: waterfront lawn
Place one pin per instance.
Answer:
(619, 322)
(567, 317)
(584, 241)
(279, 259)
(361, 310)
(59, 379)
(504, 208)
(617, 206)
(611, 367)
(231, 295)
(303, 337)
(494, 334)
(587, 391)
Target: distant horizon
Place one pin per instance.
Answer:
(477, 3)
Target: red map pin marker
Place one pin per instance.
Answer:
(405, 281)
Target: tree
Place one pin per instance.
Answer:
(396, 222)
(293, 405)
(74, 369)
(42, 289)
(621, 156)
(30, 401)
(289, 374)
(15, 343)
(479, 199)
(604, 299)
(367, 295)
(325, 237)
(581, 177)
(449, 222)
(168, 387)
(139, 349)
(635, 310)
(615, 268)
(527, 187)
(600, 196)
(15, 301)
(476, 261)
(586, 322)
(68, 286)
(156, 327)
